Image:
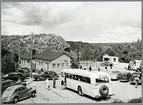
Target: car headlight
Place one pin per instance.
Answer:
(4, 97)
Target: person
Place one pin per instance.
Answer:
(90, 68)
(98, 69)
(47, 84)
(106, 68)
(62, 84)
(136, 81)
(19, 80)
(111, 65)
(54, 82)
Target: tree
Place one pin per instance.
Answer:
(8, 61)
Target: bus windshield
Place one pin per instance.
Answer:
(102, 79)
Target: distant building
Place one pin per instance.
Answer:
(47, 60)
(111, 59)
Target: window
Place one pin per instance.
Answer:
(102, 79)
(21, 89)
(67, 64)
(75, 77)
(114, 59)
(53, 65)
(62, 64)
(58, 65)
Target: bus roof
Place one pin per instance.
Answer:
(85, 72)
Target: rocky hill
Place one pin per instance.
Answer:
(39, 42)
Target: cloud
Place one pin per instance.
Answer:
(83, 21)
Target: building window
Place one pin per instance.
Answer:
(114, 59)
(53, 65)
(62, 64)
(67, 64)
(58, 65)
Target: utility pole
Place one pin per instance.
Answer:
(19, 54)
(31, 54)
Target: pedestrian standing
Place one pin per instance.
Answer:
(62, 84)
(54, 82)
(90, 68)
(111, 65)
(136, 81)
(47, 84)
(106, 68)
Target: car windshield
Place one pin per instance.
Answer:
(7, 91)
(102, 79)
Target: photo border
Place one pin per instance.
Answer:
(78, 1)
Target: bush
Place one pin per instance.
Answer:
(135, 100)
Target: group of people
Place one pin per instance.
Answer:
(48, 83)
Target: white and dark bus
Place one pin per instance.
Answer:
(92, 83)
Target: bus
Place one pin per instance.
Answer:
(92, 83)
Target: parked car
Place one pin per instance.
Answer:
(45, 75)
(132, 80)
(8, 83)
(125, 77)
(18, 92)
(15, 76)
(25, 72)
(115, 75)
(105, 64)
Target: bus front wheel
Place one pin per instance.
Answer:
(80, 91)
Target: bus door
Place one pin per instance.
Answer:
(65, 78)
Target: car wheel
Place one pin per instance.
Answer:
(16, 99)
(33, 94)
(80, 91)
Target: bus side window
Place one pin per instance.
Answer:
(70, 76)
(88, 80)
(62, 74)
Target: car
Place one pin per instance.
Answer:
(45, 75)
(132, 79)
(125, 77)
(25, 72)
(115, 75)
(8, 83)
(13, 94)
(15, 76)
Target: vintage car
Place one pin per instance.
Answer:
(45, 75)
(134, 75)
(25, 72)
(8, 83)
(125, 77)
(15, 93)
(15, 76)
(115, 75)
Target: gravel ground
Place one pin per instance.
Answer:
(122, 90)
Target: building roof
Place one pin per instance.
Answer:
(45, 55)
(25, 55)
(49, 55)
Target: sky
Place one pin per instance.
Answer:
(92, 22)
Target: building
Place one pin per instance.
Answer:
(111, 59)
(47, 60)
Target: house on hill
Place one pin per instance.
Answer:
(47, 60)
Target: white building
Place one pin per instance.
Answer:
(111, 59)
(47, 60)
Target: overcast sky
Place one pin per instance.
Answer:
(94, 22)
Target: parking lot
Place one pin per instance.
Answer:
(122, 91)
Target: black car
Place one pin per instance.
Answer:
(25, 72)
(134, 75)
(15, 76)
(125, 77)
(45, 75)
(8, 83)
